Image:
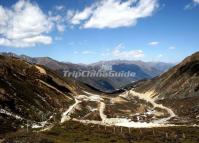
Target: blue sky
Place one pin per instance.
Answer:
(86, 31)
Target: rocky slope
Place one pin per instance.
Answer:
(34, 96)
(178, 88)
(31, 94)
(179, 82)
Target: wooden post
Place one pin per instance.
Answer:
(153, 132)
(183, 135)
(114, 129)
(140, 132)
(54, 117)
(167, 135)
(42, 120)
(27, 126)
(129, 130)
(121, 130)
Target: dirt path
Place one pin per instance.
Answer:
(152, 101)
(66, 114)
(101, 111)
(125, 122)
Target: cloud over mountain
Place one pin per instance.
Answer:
(120, 52)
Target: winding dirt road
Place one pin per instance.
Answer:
(124, 122)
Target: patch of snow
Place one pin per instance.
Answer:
(95, 109)
(90, 97)
(92, 109)
(149, 112)
(35, 126)
(2, 111)
(94, 98)
(132, 124)
(88, 93)
(82, 97)
(41, 124)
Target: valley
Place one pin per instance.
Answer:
(99, 71)
(36, 101)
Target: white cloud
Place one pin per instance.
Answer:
(75, 52)
(79, 16)
(58, 38)
(59, 7)
(113, 13)
(106, 53)
(120, 53)
(38, 39)
(128, 54)
(87, 52)
(24, 25)
(71, 43)
(61, 27)
(153, 43)
(188, 6)
(160, 56)
(172, 47)
(196, 1)
(191, 5)
(58, 21)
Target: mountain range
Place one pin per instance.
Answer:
(35, 100)
(142, 70)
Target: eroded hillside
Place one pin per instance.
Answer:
(31, 94)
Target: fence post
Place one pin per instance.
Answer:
(27, 127)
(140, 132)
(153, 132)
(183, 135)
(167, 135)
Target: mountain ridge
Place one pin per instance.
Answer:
(36, 98)
(179, 76)
(143, 70)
